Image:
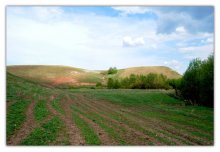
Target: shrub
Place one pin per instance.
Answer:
(112, 70)
(98, 84)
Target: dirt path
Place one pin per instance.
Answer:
(73, 132)
(27, 127)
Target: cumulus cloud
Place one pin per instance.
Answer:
(130, 42)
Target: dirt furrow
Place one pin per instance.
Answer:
(146, 124)
(149, 122)
(135, 137)
(28, 126)
(73, 132)
(103, 136)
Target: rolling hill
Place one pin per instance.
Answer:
(57, 75)
(122, 73)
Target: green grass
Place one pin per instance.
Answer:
(159, 105)
(45, 134)
(155, 106)
(102, 123)
(16, 116)
(90, 136)
(56, 105)
(40, 110)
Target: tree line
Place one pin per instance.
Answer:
(150, 81)
(196, 85)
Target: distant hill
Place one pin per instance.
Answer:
(57, 75)
(149, 69)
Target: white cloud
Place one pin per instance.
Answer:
(208, 40)
(204, 48)
(131, 10)
(80, 40)
(49, 35)
(47, 13)
(180, 29)
(173, 64)
(201, 52)
(128, 41)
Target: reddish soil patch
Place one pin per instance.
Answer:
(70, 81)
(28, 126)
(64, 80)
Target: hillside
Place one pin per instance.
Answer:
(56, 75)
(148, 69)
(64, 75)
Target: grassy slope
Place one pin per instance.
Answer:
(49, 74)
(149, 69)
(77, 77)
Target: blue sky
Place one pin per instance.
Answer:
(100, 37)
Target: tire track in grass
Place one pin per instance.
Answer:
(133, 136)
(75, 137)
(28, 126)
(169, 132)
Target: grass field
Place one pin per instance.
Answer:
(39, 115)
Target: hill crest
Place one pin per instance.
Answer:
(58, 75)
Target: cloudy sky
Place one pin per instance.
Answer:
(100, 37)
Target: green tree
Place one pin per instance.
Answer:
(110, 83)
(197, 85)
(190, 85)
(207, 82)
(175, 84)
(112, 70)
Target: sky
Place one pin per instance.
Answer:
(97, 38)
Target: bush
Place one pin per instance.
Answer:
(197, 85)
(113, 84)
(112, 70)
(98, 84)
